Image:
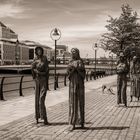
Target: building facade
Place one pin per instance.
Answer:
(7, 51)
(17, 52)
(62, 53)
(23, 53)
(7, 45)
(32, 45)
(13, 52)
(6, 32)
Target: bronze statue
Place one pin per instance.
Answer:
(76, 75)
(122, 71)
(40, 75)
(135, 78)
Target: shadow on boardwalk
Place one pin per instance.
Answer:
(107, 127)
(133, 107)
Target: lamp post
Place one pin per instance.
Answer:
(95, 47)
(55, 35)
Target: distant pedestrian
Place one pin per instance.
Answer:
(122, 71)
(40, 75)
(76, 75)
(135, 78)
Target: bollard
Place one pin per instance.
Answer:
(20, 86)
(1, 89)
(65, 80)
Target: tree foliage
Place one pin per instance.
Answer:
(123, 32)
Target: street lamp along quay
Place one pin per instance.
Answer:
(55, 35)
(95, 47)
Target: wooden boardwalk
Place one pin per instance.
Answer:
(104, 121)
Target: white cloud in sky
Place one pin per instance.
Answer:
(12, 10)
(9, 10)
(81, 21)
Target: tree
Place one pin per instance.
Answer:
(123, 32)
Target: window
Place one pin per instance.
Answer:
(31, 53)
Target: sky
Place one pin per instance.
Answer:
(82, 22)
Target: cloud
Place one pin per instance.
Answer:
(81, 22)
(8, 10)
(12, 9)
(12, 1)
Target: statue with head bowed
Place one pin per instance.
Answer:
(76, 75)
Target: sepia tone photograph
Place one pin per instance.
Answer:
(69, 70)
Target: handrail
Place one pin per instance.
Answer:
(90, 74)
(11, 76)
(20, 86)
(1, 89)
(65, 80)
(2, 84)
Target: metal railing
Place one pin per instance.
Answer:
(61, 79)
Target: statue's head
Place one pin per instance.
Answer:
(134, 59)
(39, 51)
(75, 53)
(122, 56)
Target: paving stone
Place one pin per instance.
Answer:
(104, 121)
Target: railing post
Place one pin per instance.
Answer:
(87, 76)
(47, 82)
(91, 75)
(94, 75)
(20, 86)
(106, 72)
(102, 74)
(97, 74)
(1, 89)
(57, 76)
(65, 80)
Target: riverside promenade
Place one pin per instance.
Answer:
(103, 119)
